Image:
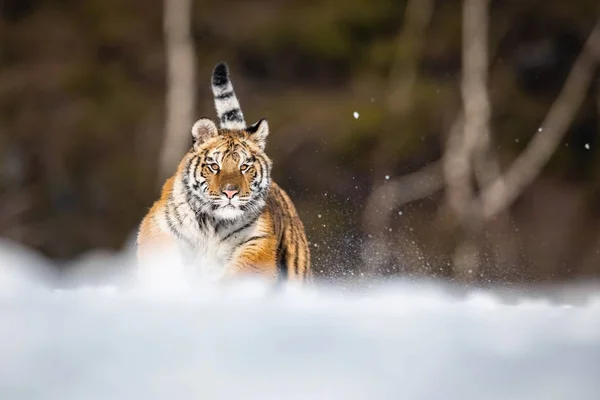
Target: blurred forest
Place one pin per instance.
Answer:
(361, 97)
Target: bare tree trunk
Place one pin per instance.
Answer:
(463, 144)
(466, 145)
(181, 84)
(503, 191)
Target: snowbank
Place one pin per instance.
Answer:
(398, 341)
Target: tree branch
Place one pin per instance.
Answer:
(464, 143)
(503, 191)
(398, 192)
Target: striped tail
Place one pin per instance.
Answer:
(226, 103)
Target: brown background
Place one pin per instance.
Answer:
(82, 88)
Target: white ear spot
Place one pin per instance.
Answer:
(259, 132)
(204, 129)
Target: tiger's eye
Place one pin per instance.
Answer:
(214, 167)
(243, 167)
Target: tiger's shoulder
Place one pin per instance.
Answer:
(293, 251)
(150, 236)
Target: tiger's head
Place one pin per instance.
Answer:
(228, 173)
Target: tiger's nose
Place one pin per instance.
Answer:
(230, 191)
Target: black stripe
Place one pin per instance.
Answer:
(294, 248)
(177, 215)
(172, 226)
(170, 222)
(232, 115)
(250, 240)
(282, 266)
(202, 222)
(226, 95)
(195, 169)
(264, 171)
(186, 176)
(306, 256)
(189, 197)
(223, 223)
(240, 229)
(296, 255)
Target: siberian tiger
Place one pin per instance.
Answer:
(220, 212)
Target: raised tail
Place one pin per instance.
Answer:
(226, 103)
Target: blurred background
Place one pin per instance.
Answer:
(399, 160)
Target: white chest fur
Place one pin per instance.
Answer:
(211, 256)
(204, 251)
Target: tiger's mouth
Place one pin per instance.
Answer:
(228, 211)
(229, 204)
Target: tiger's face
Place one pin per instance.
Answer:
(229, 174)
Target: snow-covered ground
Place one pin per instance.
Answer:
(395, 341)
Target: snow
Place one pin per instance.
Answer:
(105, 336)
(356, 114)
(587, 146)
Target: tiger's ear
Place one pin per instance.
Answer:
(259, 132)
(203, 130)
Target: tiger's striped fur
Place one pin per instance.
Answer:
(220, 212)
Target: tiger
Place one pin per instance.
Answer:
(220, 212)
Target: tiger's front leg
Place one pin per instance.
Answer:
(255, 258)
(160, 261)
